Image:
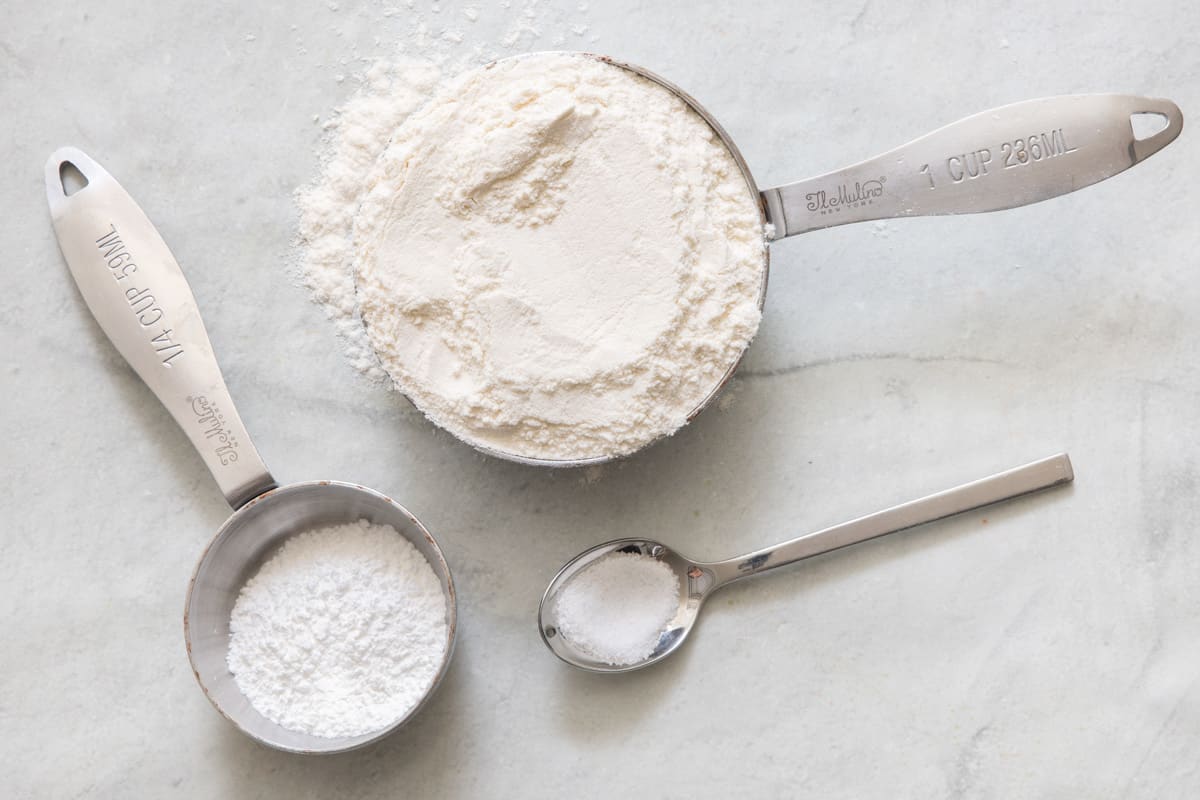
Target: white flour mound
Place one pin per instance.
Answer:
(341, 633)
(359, 133)
(557, 258)
(355, 134)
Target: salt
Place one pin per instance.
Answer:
(615, 608)
(562, 278)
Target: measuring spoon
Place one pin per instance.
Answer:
(141, 300)
(699, 579)
(1007, 157)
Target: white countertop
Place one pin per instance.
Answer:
(1047, 648)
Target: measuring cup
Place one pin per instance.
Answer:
(1009, 156)
(140, 298)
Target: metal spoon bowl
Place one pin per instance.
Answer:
(699, 579)
(139, 296)
(967, 167)
(692, 595)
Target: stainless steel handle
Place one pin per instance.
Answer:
(1007, 157)
(140, 298)
(1002, 486)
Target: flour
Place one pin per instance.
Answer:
(341, 633)
(359, 133)
(355, 135)
(579, 307)
(615, 609)
(557, 258)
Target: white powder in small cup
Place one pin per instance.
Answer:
(341, 632)
(615, 608)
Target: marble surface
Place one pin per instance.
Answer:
(1047, 649)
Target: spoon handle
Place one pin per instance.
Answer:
(142, 301)
(1031, 477)
(1007, 157)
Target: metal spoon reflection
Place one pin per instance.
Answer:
(699, 579)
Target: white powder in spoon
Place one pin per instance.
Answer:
(341, 633)
(615, 608)
(557, 258)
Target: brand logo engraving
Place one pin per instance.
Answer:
(209, 416)
(846, 196)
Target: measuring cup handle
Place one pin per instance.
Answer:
(1007, 157)
(140, 298)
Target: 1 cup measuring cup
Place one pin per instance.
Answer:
(1007, 157)
(139, 296)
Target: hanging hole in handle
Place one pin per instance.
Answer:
(1146, 124)
(71, 178)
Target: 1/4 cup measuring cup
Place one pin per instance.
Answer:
(140, 298)
(1007, 157)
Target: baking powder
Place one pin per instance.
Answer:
(341, 633)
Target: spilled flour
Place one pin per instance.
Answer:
(616, 608)
(391, 92)
(431, 43)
